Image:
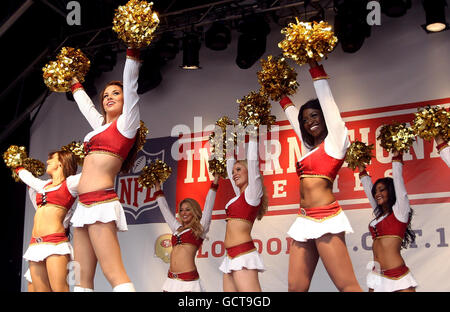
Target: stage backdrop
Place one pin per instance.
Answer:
(399, 63)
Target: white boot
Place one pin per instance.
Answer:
(82, 289)
(125, 287)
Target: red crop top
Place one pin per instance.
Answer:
(319, 164)
(110, 141)
(60, 197)
(240, 209)
(186, 237)
(389, 226)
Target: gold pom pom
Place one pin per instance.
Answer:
(77, 149)
(141, 136)
(157, 171)
(69, 63)
(14, 156)
(217, 162)
(430, 122)
(36, 167)
(358, 153)
(135, 23)
(396, 137)
(277, 78)
(307, 41)
(254, 109)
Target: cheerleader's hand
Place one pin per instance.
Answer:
(396, 154)
(157, 186)
(439, 139)
(361, 168)
(74, 80)
(313, 63)
(216, 178)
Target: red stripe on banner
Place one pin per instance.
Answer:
(395, 107)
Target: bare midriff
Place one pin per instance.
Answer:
(182, 258)
(315, 192)
(48, 220)
(237, 232)
(99, 172)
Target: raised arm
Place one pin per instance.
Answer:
(254, 190)
(443, 150)
(367, 185)
(401, 207)
(292, 115)
(30, 180)
(128, 121)
(86, 105)
(165, 210)
(209, 205)
(336, 142)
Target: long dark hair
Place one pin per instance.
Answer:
(410, 236)
(308, 139)
(131, 157)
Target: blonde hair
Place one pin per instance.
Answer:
(195, 225)
(264, 204)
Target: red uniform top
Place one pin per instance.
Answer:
(186, 237)
(319, 164)
(59, 197)
(240, 209)
(389, 226)
(110, 141)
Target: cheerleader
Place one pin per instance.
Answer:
(110, 149)
(188, 235)
(320, 227)
(391, 230)
(242, 262)
(443, 149)
(49, 251)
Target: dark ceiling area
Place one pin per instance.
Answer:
(32, 32)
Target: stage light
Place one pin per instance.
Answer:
(150, 72)
(252, 41)
(168, 46)
(217, 37)
(191, 48)
(105, 59)
(350, 24)
(395, 8)
(435, 16)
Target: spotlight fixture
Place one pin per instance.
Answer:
(105, 59)
(217, 37)
(252, 41)
(168, 46)
(395, 8)
(150, 72)
(350, 24)
(191, 48)
(320, 12)
(435, 16)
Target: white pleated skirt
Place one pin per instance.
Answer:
(251, 261)
(40, 251)
(102, 212)
(176, 285)
(305, 228)
(380, 283)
